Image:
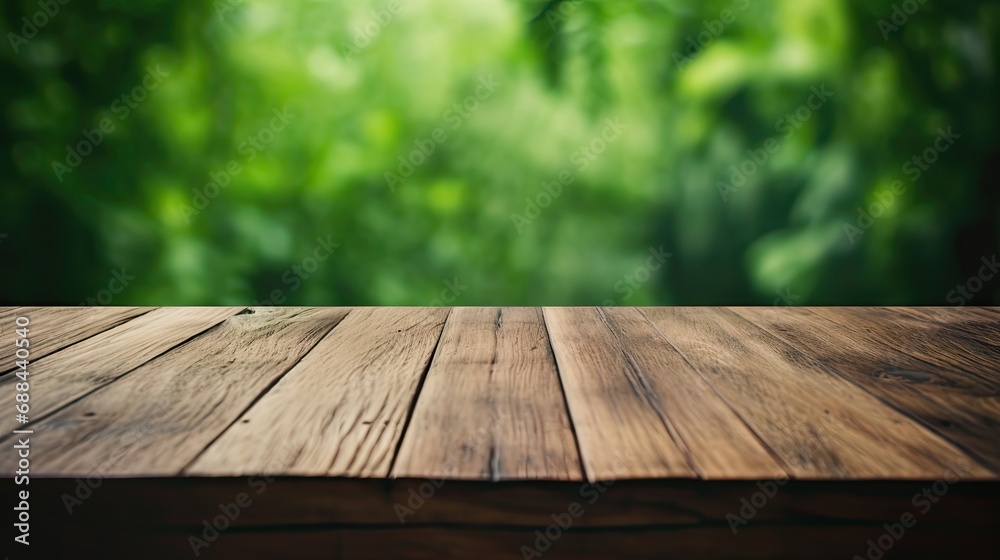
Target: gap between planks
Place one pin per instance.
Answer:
(490, 406)
(71, 326)
(779, 391)
(352, 395)
(961, 408)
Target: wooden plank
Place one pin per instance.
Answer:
(718, 443)
(342, 409)
(962, 408)
(53, 328)
(619, 431)
(967, 322)
(307, 501)
(7, 316)
(966, 513)
(157, 419)
(817, 423)
(491, 406)
(920, 339)
(65, 376)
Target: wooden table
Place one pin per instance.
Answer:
(509, 432)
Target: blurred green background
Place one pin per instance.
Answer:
(648, 212)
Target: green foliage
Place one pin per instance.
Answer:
(367, 86)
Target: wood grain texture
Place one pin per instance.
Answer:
(8, 314)
(694, 413)
(962, 408)
(980, 327)
(491, 406)
(921, 339)
(646, 519)
(717, 442)
(618, 428)
(306, 501)
(645, 393)
(818, 424)
(158, 418)
(61, 378)
(54, 328)
(342, 408)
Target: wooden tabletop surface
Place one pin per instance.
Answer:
(553, 394)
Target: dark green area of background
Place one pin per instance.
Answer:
(695, 87)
